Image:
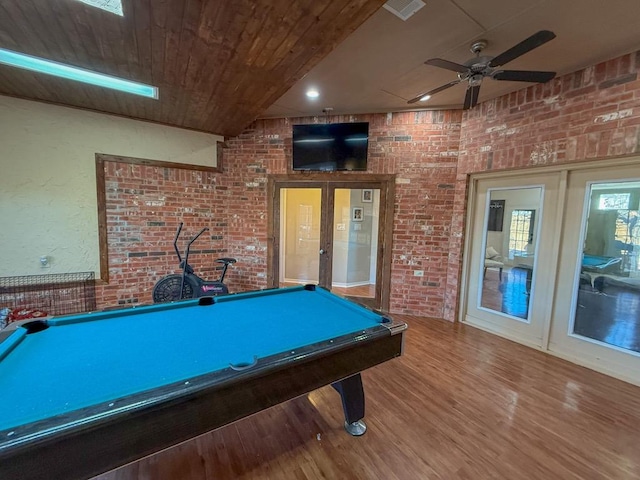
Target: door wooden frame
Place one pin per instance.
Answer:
(328, 182)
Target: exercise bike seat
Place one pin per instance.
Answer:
(225, 260)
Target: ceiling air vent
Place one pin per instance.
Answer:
(404, 8)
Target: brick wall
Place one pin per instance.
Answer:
(590, 114)
(593, 113)
(144, 206)
(421, 148)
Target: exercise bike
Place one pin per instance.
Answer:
(189, 285)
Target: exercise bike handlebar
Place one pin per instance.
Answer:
(205, 229)
(175, 242)
(186, 255)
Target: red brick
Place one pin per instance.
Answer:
(560, 114)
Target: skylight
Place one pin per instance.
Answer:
(111, 6)
(40, 65)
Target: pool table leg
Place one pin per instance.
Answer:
(352, 394)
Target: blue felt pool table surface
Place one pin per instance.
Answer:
(598, 263)
(87, 359)
(594, 260)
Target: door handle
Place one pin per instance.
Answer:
(322, 251)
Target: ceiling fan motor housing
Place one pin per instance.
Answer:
(477, 47)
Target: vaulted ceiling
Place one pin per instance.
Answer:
(218, 64)
(382, 64)
(221, 64)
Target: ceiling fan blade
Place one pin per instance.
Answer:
(434, 91)
(523, 76)
(534, 41)
(471, 98)
(439, 62)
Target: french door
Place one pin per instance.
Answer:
(513, 231)
(596, 315)
(334, 233)
(554, 262)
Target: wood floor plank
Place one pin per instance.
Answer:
(460, 404)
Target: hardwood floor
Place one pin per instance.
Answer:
(367, 291)
(611, 316)
(460, 404)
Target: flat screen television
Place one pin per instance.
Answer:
(330, 147)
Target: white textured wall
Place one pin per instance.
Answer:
(48, 181)
(342, 217)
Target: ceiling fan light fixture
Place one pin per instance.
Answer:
(475, 80)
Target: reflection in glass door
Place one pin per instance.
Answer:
(511, 235)
(562, 274)
(608, 298)
(596, 315)
(334, 231)
(355, 241)
(330, 236)
(510, 247)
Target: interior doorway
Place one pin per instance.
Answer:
(333, 233)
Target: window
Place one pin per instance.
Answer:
(521, 232)
(614, 201)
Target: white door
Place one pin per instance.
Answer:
(596, 315)
(513, 254)
(300, 235)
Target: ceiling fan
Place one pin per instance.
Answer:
(473, 71)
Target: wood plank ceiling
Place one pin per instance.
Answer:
(218, 64)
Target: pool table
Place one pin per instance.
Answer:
(84, 394)
(600, 264)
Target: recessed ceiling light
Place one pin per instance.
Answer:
(40, 65)
(313, 93)
(425, 98)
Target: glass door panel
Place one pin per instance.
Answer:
(511, 235)
(510, 245)
(300, 222)
(608, 297)
(596, 317)
(332, 233)
(355, 242)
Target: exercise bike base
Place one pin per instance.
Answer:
(168, 289)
